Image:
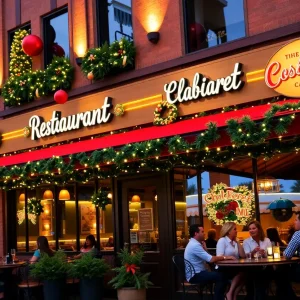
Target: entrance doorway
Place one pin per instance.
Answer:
(144, 215)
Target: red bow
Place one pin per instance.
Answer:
(130, 268)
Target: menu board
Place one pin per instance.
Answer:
(145, 219)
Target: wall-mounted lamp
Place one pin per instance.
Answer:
(64, 195)
(22, 198)
(153, 37)
(78, 61)
(48, 195)
(109, 195)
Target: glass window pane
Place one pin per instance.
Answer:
(87, 211)
(120, 19)
(66, 218)
(186, 203)
(21, 227)
(106, 219)
(56, 37)
(214, 22)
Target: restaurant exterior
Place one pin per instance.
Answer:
(206, 88)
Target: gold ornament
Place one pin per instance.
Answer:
(37, 93)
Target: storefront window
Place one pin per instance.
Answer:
(186, 203)
(66, 218)
(214, 22)
(56, 36)
(21, 223)
(117, 23)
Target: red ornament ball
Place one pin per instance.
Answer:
(61, 97)
(32, 45)
(90, 76)
(58, 50)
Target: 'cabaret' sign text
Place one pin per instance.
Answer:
(58, 124)
(181, 91)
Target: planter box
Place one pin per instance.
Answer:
(54, 289)
(131, 294)
(91, 289)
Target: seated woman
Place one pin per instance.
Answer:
(211, 241)
(42, 247)
(229, 246)
(273, 235)
(88, 247)
(257, 243)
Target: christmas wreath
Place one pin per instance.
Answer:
(119, 110)
(229, 204)
(34, 206)
(100, 199)
(160, 109)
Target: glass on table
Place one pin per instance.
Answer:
(248, 256)
(13, 254)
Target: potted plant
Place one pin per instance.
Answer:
(90, 271)
(52, 272)
(130, 282)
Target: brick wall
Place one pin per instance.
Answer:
(267, 15)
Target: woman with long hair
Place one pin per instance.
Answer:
(42, 248)
(88, 247)
(228, 245)
(273, 235)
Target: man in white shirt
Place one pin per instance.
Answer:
(196, 253)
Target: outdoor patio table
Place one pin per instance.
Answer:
(10, 290)
(259, 262)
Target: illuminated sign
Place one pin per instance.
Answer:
(58, 124)
(229, 204)
(283, 70)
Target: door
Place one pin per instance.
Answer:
(145, 225)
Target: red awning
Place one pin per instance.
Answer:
(154, 132)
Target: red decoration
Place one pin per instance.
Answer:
(32, 45)
(57, 50)
(90, 76)
(219, 215)
(233, 205)
(61, 97)
(131, 268)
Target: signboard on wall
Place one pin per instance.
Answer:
(229, 204)
(282, 73)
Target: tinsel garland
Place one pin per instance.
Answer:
(100, 199)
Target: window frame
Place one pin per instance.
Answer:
(46, 22)
(185, 31)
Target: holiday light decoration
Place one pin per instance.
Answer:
(21, 217)
(100, 199)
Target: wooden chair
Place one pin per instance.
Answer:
(186, 269)
(27, 285)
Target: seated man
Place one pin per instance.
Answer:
(294, 244)
(196, 253)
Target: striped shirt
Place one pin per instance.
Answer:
(293, 246)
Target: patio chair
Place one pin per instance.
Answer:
(184, 268)
(28, 286)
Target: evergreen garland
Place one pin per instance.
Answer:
(24, 85)
(34, 206)
(100, 199)
(95, 61)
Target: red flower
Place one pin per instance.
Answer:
(229, 189)
(219, 215)
(233, 205)
(130, 268)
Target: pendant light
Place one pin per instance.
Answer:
(268, 184)
(22, 197)
(135, 198)
(64, 195)
(48, 195)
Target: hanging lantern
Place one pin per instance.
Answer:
(64, 195)
(268, 185)
(32, 45)
(136, 198)
(61, 97)
(48, 195)
(58, 50)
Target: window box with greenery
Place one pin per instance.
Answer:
(90, 271)
(130, 282)
(52, 271)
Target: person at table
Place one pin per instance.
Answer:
(294, 244)
(257, 243)
(228, 245)
(273, 235)
(42, 247)
(196, 253)
(88, 247)
(211, 241)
